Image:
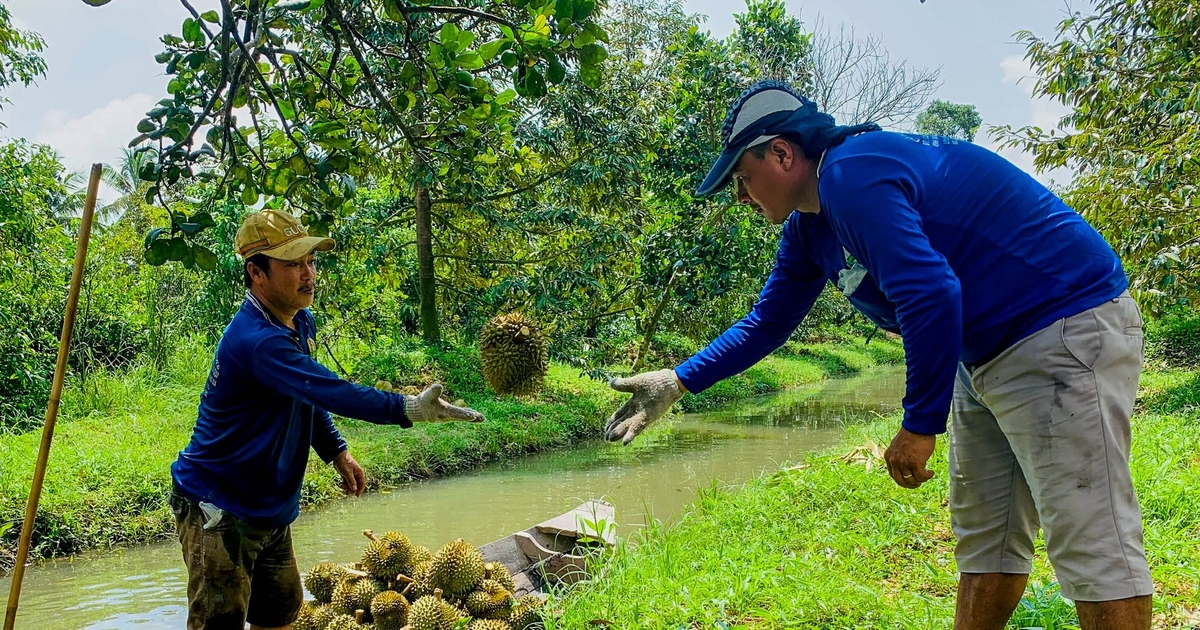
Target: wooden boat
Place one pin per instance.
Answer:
(554, 551)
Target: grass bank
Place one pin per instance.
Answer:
(108, 476)
(834, 543)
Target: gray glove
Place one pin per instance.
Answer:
(653, 394)
(429, 407)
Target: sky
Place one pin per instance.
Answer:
(102, 76)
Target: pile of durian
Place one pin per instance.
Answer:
(399, 585)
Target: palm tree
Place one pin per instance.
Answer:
(124, 179)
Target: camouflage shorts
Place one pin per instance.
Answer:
(236, 572)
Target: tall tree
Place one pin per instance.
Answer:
(20, 54)
(953, 120)
(1129, 75)
(339, 90)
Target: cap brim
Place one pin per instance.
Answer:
(719, 175)
(299, 248)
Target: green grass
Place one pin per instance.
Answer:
(119, 432)
(836, 544)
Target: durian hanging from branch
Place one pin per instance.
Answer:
(515, 354)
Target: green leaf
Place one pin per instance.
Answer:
(328, 127)
(509, 59)
(489, 50)
(156, 254)
(591, 76)
(584, 9)
(191, 229)
(177, 248)
(449, 36)
(505, 97)
(205, 258)
(592, 54)
(279, 180)
(146, 125)
(192, 32)
(469, 61)
(210, 17)
(535, 83)
(286, 108)
(153, 235)
(204, 219)
(557, 72)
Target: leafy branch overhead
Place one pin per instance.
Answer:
(292, 103)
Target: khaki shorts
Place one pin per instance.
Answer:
(1040, 435)
(236, 572)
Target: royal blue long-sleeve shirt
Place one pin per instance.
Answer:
(266, 402)
(964, 254)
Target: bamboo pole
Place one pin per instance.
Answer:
(60, 369)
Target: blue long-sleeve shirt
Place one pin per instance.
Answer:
(265, 403)
(964, 254)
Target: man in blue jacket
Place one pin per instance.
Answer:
(266, 402)
(1015, 315)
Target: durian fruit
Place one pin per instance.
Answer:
(305, 618)
(489, 601)
(456, 568)
(421, 582)
(323, 616)
(514, 353)
(365, 591)
(526, 613)
(389, 609)
(320, 581)
(342, 622)
(499, 572)
(488, 624)
(431, 612)
(418, 555)
(384, 386)
(384, 560)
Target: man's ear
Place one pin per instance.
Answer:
(784, 152)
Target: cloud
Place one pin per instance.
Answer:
(1043, 113)
(97, 136)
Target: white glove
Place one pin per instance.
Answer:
(653, 394)
(429, 407)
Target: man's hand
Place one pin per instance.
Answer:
(653, 394)
(906, 458)
(429, 407)
(353, 480)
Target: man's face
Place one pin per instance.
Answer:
(769, 184)
(292, 283)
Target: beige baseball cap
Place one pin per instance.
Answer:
(277, 235)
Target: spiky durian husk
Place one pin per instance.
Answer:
(320, 581)
(456, 568)
(422, 584)
(432, 613)
(304, 618)
(390, 610)
(383, 561)
(527, 613)
(514, 354)
(488, 624)
(342, 622)
(489, 601)
(402, 547)
(365, 591)
(418, 555)
(323, 616)
(499, 572)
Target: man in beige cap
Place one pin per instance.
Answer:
(266, 402)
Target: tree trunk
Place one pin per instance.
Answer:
(429, 319)
(652, 325)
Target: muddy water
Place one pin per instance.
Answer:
(655, 478)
